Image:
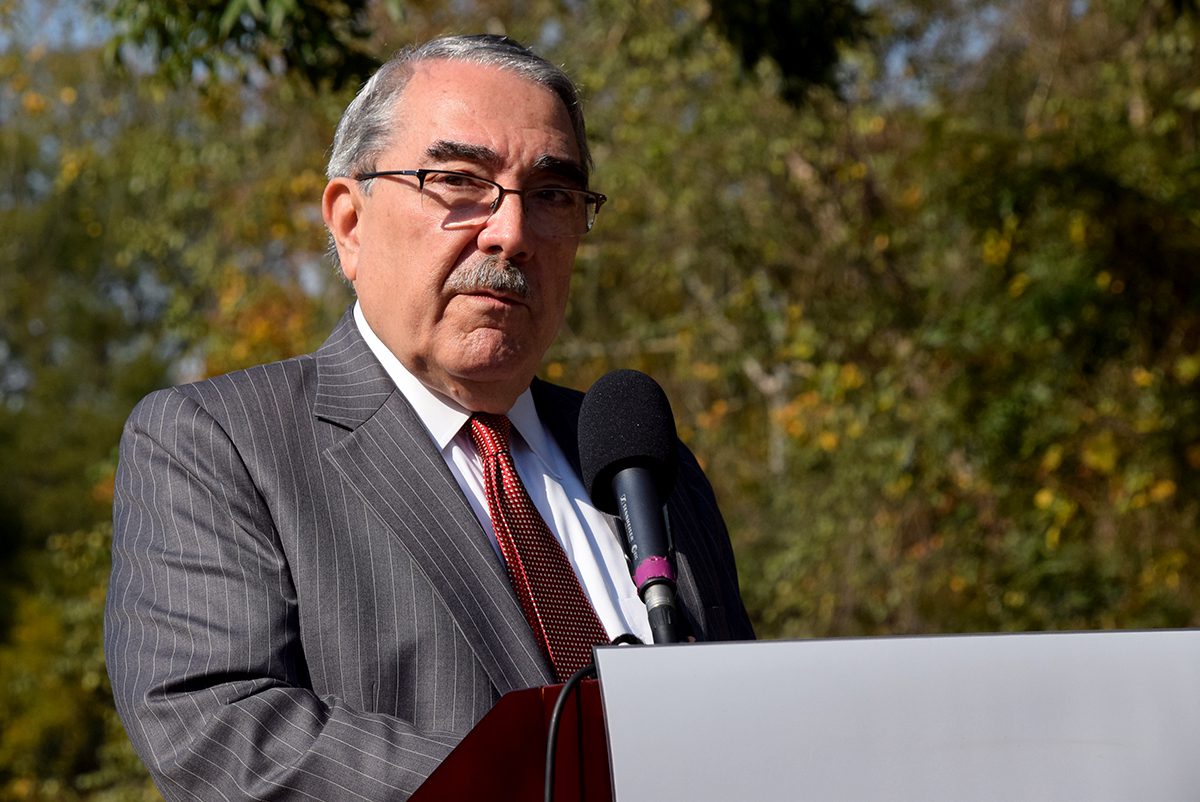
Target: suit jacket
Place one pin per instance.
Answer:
(302, 602)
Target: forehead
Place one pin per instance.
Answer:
(482, 105)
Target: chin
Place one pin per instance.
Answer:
(501, 365)
(497, 372)
(494, 353)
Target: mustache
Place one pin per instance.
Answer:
(489, 273)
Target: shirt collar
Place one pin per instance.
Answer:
(443, 417)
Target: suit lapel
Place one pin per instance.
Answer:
(390, 461)
(558, 410)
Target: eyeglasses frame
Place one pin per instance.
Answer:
(597, 198)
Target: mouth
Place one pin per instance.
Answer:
(497, 296)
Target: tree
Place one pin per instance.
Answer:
(140, 233)
(934, 330)
(1028, 458)
(805, 40)
(62, 739)
(323, 41)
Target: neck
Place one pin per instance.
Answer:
(494, 397)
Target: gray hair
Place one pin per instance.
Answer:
(368, 123)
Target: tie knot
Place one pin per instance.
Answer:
(490, 433)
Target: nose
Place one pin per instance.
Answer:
(506, 232)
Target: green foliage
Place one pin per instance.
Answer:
(141, 231)
(125, 210)
(320, 41)
(1026, 456)
(54, 689)
(935, 334)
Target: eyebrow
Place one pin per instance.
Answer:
(446, 150)
(563, 168)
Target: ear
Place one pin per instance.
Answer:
(340, 206)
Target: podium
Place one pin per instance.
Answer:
(503, 758)
(1102, 716)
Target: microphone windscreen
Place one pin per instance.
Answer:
(625, 421)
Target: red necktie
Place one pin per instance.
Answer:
(554, 604)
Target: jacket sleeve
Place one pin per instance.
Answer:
(202, 635)
(703, 553)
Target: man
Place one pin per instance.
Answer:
(316, 586)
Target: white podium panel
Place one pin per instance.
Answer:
(1090, 716)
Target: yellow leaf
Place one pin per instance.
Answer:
(1162, 490)
(912, 197)
(1043, 498)
(1052, 458)
(850, 377)
(33, 103)
(1100, 452)
(1053, 537)
(995, 247)
(1187, 368)
(1018, 285)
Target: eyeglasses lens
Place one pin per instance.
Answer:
(460, 201)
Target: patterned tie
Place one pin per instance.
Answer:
(554, 604)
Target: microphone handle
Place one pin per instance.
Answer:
(648, 546)
(660, 607)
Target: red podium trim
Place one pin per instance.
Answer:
(503, 758)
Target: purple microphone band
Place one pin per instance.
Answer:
(653, 568)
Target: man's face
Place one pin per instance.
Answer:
(478, 346)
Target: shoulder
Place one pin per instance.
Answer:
(272, 385)
(232, 399)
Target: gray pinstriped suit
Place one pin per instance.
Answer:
(302, 603)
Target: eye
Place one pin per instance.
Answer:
(455, 181)
(557, 197)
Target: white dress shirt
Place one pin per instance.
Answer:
(588, 536)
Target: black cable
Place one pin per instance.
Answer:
(552, 736)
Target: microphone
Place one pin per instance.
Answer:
(627, 450)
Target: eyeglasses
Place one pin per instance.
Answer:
(462, 200)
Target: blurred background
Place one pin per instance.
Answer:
(921, 279)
